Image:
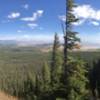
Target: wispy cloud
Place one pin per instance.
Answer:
(34, 17)
(19, 31)
(62, 17)
(80, 22)
(14, 15)
(95, 23)
(26, 6)
(32, 25)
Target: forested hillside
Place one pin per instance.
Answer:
(29, 73)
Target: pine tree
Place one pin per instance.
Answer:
(70, 38)
(29, 87)
(46, 89)
(38, 87)
(77, 80)
(46, 77)
(56, 64)
(74, 71)
(95, 79)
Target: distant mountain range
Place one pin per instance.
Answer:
(24, 43)
(90, 46)
(7, 42)
(84, 47)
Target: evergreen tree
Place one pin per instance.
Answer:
(29, 88)
(95, 80)
(74, 71)
(46, 89)
(76, 87)
(56, 64)
(38, 87)
(46, 77)
(70, 38)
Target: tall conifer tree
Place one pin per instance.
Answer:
(70, 38)
(46, 77)
(56, 64)
(74, 70)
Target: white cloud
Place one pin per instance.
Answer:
(87, 12)
(40, 12)
(62, 18)
(95, 23)
(14, 15)
(32, 25)
(26, 6)
(35, 16)
(80, 22)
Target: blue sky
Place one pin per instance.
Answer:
(40, 19)
(29, 19)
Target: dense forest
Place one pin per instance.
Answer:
(57, 75)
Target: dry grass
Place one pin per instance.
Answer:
(4, 96)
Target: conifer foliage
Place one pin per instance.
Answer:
(74, 71)
(56, 64)
(76, 87)
(70, 38)
(46, 77)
